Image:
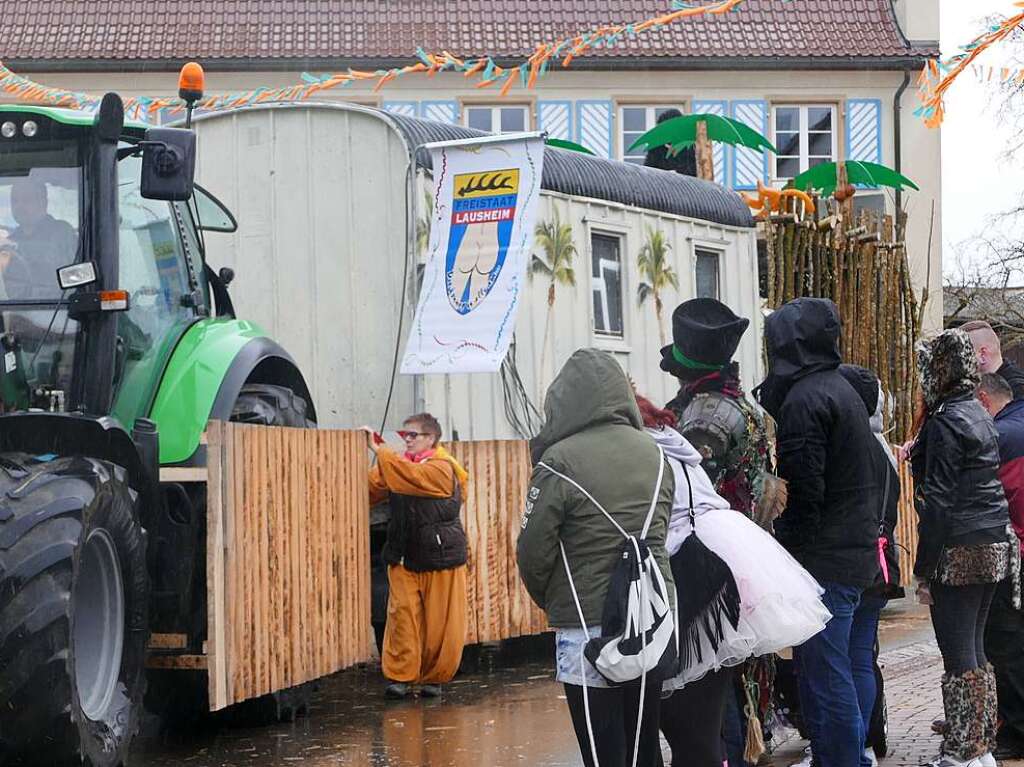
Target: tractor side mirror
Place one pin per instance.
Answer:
(168, 164)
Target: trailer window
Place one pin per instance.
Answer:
(606, 282)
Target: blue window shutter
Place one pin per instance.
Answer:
(749, 166)
(404, 108)
(555, 117)
(715, 108)
(864, 130)
(594, 126)
(440, 111)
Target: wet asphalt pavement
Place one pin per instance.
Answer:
(508, 712)
(505, 714)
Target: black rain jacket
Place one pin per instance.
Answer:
(830, 524)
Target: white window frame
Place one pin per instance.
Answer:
(603, 338)
(650, 120)
(495, 110)
(804, 134)
(702, 248)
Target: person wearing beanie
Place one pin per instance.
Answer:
(714, 415)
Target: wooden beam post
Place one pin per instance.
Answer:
(704, 149)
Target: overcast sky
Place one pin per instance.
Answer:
(976, 180)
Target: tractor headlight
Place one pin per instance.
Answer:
(29, 129)
(8, 129)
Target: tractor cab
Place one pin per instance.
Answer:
(101, 265)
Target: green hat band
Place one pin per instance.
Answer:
(686, 362)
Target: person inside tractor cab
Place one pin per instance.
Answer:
(43, 244)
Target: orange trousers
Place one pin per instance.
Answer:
(426, 626)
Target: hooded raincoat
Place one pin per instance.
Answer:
(592, 433)
(830, 524)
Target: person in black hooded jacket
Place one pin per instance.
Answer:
(830, 524)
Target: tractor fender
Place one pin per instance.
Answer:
(74, 435)
(212, 361)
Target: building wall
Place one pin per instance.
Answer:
(919, 19)
(586, 106)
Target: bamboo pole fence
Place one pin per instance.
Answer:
(860, 264)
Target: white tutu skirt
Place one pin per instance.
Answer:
(780, 603)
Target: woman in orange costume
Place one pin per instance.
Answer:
(426, 554)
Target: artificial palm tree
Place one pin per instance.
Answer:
(657, 273)
(555, 240)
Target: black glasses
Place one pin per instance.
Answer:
(411, 434)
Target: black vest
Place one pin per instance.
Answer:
(426, 534)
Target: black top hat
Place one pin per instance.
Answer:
(705, 334)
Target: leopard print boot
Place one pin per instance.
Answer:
(963, 698)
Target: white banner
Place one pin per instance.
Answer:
(481, 234)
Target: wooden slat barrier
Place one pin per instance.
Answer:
(499, 473)
(288, 570)
(288, 558)
(906, 526)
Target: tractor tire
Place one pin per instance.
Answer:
(74, 594)
(269, 405)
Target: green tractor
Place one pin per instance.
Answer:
(117, 344)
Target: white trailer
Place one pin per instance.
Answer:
(329, 198)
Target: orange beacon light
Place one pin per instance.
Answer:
(191, 82)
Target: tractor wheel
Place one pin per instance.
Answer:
(74, 594)
(269, 405)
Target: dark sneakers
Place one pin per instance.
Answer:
(401, 690)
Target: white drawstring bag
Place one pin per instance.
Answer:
(638, 631)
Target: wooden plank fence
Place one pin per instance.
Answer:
(288, 561)
(499, 473)
(288, 568)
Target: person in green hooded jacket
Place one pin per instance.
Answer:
(594, 434)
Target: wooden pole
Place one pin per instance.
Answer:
(704, 149)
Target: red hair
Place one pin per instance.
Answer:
(654, 417)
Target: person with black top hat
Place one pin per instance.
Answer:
(713, 411)
(729, 432)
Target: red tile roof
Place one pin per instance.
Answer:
(134, 33)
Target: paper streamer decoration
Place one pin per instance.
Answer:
(937, 77)
(484, 70)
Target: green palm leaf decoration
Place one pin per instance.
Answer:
(681, 132)
(824, 177)
(572, 146)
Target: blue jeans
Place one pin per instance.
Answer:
(863, 635)
(828, 696)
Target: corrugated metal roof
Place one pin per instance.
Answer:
(586, 176)
(135, 33)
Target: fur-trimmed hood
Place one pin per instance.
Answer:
(948, 367)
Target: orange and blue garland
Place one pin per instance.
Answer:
(484, 69)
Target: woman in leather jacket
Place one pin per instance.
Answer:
(963, 548)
